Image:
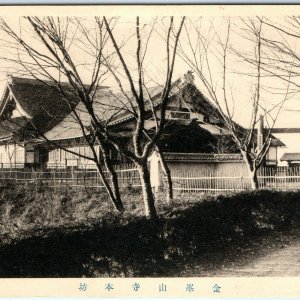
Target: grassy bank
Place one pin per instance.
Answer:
(72, 234)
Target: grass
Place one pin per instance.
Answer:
(72, 234)
(33, 209)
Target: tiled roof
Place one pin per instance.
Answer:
(52, 114)
(43, 102)
(106, 105)
(290, 156)
(203, 157)
(50, 111)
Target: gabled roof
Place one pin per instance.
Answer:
(116, 108)
(181, 91)
(49, 111)
(41, 103)
(109, 106)
(295, 156)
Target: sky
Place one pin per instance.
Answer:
(240, 85)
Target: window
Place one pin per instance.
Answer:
(271, 157)
(183, 115)
(206, 119)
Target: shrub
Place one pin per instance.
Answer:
(70, 233)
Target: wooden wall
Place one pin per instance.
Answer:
(209, 168)
(11, 155)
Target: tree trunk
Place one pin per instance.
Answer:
(167, 172)
(150, 210)
(254, 180)
(114, 179)
(113, 189)
(113, 194)
(252, 170)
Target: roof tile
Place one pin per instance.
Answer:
(290, 156)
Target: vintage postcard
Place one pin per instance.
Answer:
(150, 151)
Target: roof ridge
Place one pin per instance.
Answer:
(203, 156)
(37, 81)
(12, 79)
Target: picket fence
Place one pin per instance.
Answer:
(76, 178)
(280, 178)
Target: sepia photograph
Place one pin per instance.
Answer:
(149, 144)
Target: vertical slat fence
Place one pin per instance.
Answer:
(186, 181)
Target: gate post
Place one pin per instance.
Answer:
(155, 171)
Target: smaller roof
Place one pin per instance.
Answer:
(12, 130)
(295, 156)
(275, 142)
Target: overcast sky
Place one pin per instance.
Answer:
(240, 85)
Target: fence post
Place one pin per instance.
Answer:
(54, 181)
(121, 179)
(285, 182)
(72, 175)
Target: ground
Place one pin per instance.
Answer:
(284, 261)
(276, 255)
(43, 234)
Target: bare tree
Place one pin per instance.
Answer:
(49, 52)
(223, 144)
(203, 52)
(282, 40)
(141, 104)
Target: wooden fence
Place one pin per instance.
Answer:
(280, 178)
(56, 178)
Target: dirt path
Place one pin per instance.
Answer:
(284, 261)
